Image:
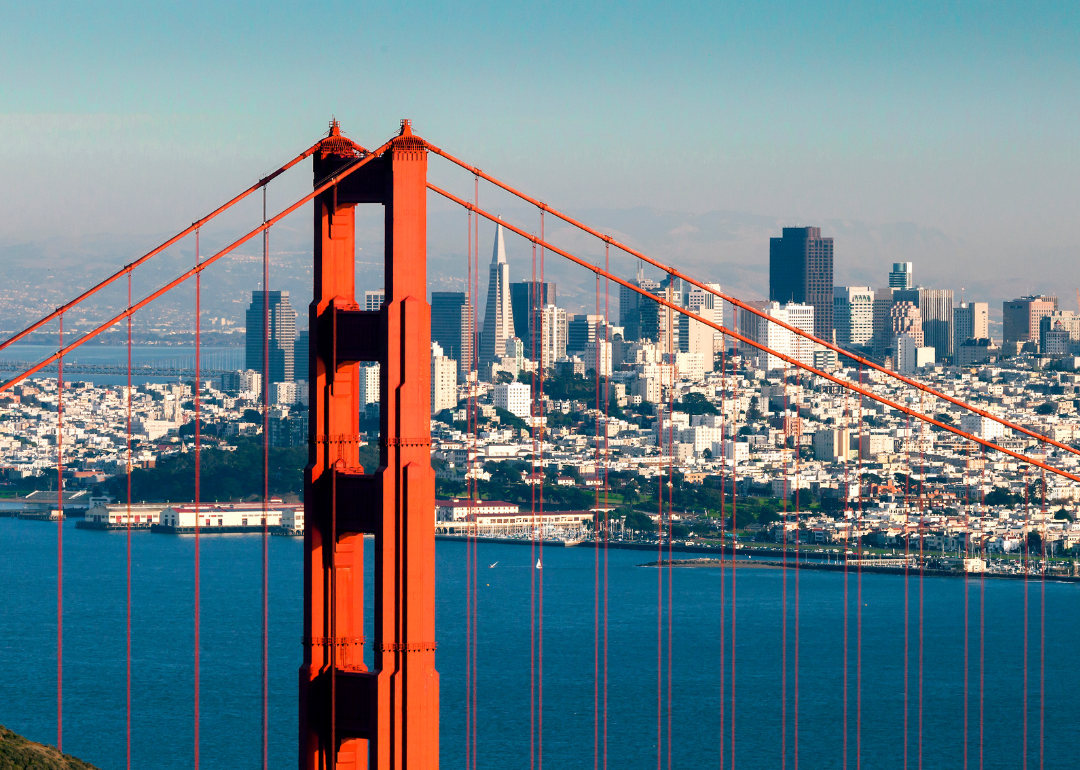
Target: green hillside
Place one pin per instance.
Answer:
(17, 753)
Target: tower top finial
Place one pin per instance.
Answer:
(406, 127)
(335, 128)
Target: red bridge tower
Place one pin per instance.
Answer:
(390, 714)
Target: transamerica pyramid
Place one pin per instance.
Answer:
(498, 317)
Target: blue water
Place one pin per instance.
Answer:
(166, 356)
(231, 637)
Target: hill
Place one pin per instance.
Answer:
(17, 753)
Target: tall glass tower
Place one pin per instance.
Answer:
(282, 336)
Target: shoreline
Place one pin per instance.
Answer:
(718, 563)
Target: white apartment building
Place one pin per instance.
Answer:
(853, 315)
(983, 427)
(696, 337)
(369, 384)
(776, 337)
(443, 380)
(514, 397)
(553, 335)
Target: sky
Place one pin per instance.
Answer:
(942, 133)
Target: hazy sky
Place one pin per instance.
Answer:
(956, 121)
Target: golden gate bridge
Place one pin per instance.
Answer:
(388, 716)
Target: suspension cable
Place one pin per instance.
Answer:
(319, 189)
(266, 496)
(127, 269)
(865, 392)
(747, 307)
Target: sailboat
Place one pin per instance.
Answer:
(538, 565)
(492, 566)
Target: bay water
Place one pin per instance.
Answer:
(231, 636)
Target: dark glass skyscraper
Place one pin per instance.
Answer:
(452, 326)
(542, 294)
(282, 336)
(801, 270)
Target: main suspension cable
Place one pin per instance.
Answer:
(750, 308)
(319, 189)
(127, 269)
(865, 392)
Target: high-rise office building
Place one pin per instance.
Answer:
(526, 300)
(552, 342)
(801, 272)
(582, 332)
(936, 310)
(774, 336)
(282, 336)
(971, 321)
(452, 327)
(498, 315)
(302, 355)
(882, 337)
(443, 380)
(853, 315)
(904, 318)
(1021, 318)
(660, 323)
(900, 276)
(373, 300)
(695, 336)
(633, 305)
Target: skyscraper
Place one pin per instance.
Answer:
(282, 336)
(774, 336)
(631, 305)
(452, 327)
(936, 311)
(302, 355)
(552, 342)
(900, 277)
(1021, 318)
(526, 300)
(801, 271)
(498, 316)
(971, 321)
(694, 336)
(853, 315)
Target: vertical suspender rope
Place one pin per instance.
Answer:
(847, 602)
(734, 536)
(540, 597)
(469, 473)
(198, 464)
(795, 658)
(266, 498)
(858, 593)
(475, 618)
(60, 545)
(907, 593)
(609, 356)
(1043, 531)
(723, 514)
(596, 545)
(1026, 566)
(783, 582)
(128, 404)
(659, 571)
(671, 488)
(982, 622)
(534, 327)
(922, 592)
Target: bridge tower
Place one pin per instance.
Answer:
(348, 714)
